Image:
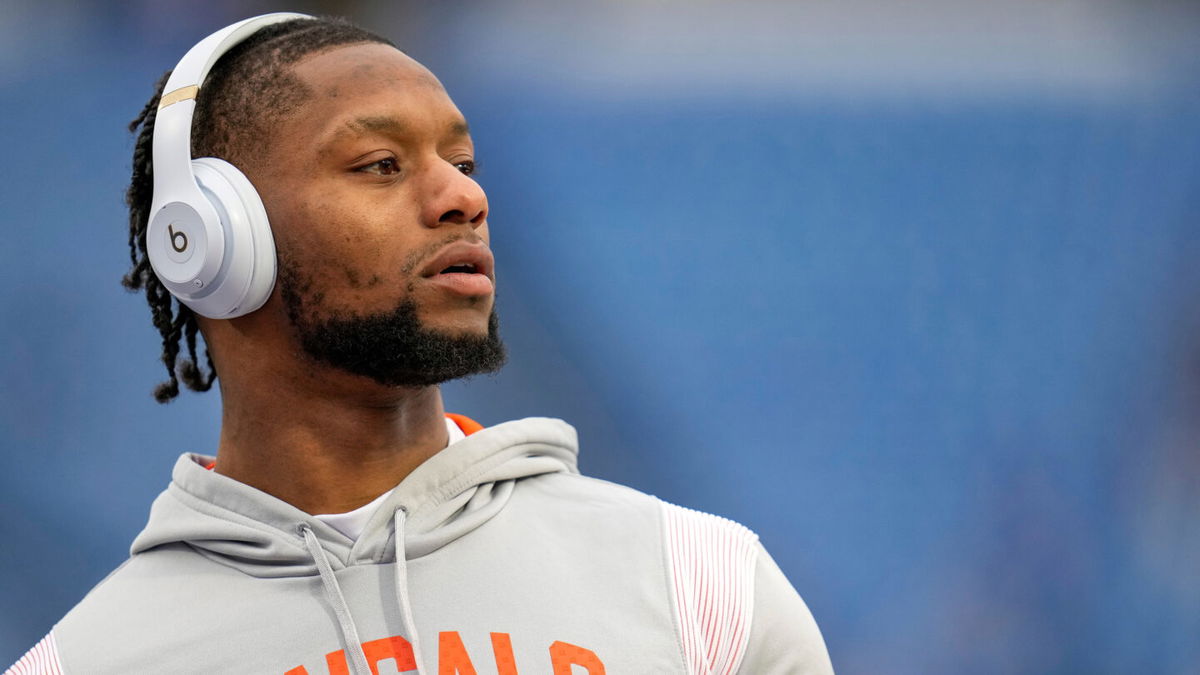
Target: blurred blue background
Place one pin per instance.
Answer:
(910, 289)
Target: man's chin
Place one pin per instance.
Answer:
(395, 349)
(460, 322)
(456, 333)
(405, 346)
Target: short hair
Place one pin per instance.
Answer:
(249, 89)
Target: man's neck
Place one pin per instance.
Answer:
(324, 449)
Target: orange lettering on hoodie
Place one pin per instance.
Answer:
(453, 658)
(452, 655)
(563, 655)
(506, 663)
(390, 648)
(383, 649)
(336, 663)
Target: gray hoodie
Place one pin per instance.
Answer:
(511, 562)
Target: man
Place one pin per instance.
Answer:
(347, 523)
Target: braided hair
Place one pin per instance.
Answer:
(246, 93)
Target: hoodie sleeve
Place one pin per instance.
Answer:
(784, 637)
(43, 659)
(735, 611)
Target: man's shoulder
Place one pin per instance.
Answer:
(114, 611)
(587, 497)
(706, 565)
(596, 505)
(576, 487)
(138, 584)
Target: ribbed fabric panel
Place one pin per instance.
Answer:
(41, 660)
(711, 561)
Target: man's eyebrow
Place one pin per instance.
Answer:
(393, 126)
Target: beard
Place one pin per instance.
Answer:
(393, 348)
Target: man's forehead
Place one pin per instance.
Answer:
(365, 64)
(370, 89)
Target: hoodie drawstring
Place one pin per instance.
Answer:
(342, 611)
(336, 600)
(410, 626)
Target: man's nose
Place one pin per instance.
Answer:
(456, 200)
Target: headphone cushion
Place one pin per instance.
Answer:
(247, 274)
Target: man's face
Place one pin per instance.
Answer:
(381, 232)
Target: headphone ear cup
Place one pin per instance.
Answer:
(247, 274)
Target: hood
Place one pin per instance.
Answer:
(446, 497)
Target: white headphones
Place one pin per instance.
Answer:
(208, 240)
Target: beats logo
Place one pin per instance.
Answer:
(179, 240)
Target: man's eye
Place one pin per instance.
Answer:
(467, 167)
(384, 167)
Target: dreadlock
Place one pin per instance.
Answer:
(246, 93)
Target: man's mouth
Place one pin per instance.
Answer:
(463, 267)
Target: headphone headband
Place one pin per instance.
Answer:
(207, 238)
(173, 124)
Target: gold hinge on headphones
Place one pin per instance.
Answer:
(180, 94)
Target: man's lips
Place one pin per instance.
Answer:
(464, 267)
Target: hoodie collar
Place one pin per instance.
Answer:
(446, 497)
